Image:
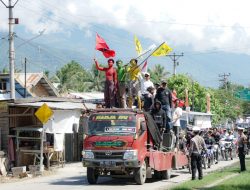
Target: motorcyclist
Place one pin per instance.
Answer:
(209, 140)
(230, 137)
(216, 136)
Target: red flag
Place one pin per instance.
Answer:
(144, 67)
(102, 46)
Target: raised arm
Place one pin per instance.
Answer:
(98, 67)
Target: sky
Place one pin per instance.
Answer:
(213, 34)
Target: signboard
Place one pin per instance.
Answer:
(44, 113)
(111, 117)
(243, 94)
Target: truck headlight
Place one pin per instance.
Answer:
(130, 155)
(88, 154)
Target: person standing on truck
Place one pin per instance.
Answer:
(159, 116)
(164, 95)
(197, 144)
(242, 148)
(134, 72)
(110, 83)
(121, 86)
(176, 121)
(149, 99)
(145, 84)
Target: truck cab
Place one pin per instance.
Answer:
(123, 143)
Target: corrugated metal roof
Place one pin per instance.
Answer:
(88, 95)
(56, 105)
(32, 79)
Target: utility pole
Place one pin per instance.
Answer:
(192, 95)
(224, 79)
(25, 77)
(12, 21)
(174, 57)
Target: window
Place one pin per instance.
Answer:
(3, 85)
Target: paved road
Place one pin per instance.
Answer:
(73, 177)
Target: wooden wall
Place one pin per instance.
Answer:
(4, 126)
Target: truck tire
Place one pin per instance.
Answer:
(140, 174)
(92, 175)
(166, 174)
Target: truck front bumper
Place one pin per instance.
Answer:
(110, 164)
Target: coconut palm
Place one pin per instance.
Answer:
(158, 73)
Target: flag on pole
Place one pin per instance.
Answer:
(138, 46)
(102, 46)
(163, 50)
(145, 67)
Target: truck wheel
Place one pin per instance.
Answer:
(166, 174)
(140, 174)
(92, 175)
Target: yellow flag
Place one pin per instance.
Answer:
(163, 50)
(138, 46)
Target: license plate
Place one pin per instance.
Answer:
(107, 163)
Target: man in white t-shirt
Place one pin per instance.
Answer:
(146, 83)
(176, 121)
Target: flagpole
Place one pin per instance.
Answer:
(94, 47)
(138, 57)
(150, 54)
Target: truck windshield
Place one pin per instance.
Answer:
(111, 124)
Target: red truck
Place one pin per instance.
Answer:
(126, 142)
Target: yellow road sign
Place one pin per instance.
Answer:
(44, 113)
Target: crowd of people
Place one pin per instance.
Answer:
(127, 87)
(198, 142)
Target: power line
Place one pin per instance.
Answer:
(156, 21)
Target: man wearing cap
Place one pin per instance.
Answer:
(242, 148)
(145, 83)
(164, 95)
(197, 144)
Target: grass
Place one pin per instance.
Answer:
(239, 182)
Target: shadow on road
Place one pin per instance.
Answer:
(82, 180)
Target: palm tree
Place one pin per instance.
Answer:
(95, 79)
(158, 73)
(72, 77)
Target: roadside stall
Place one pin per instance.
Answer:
(30, 140)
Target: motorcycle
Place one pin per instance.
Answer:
(216, 152)
(226, 148)
(204, 159)
(210, 155)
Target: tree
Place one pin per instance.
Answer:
(95, 79)
(72, 77)
(181, 82)
(158, 73)
(46, 73)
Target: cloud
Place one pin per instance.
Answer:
(201, 25)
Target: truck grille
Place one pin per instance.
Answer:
(109, 155)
